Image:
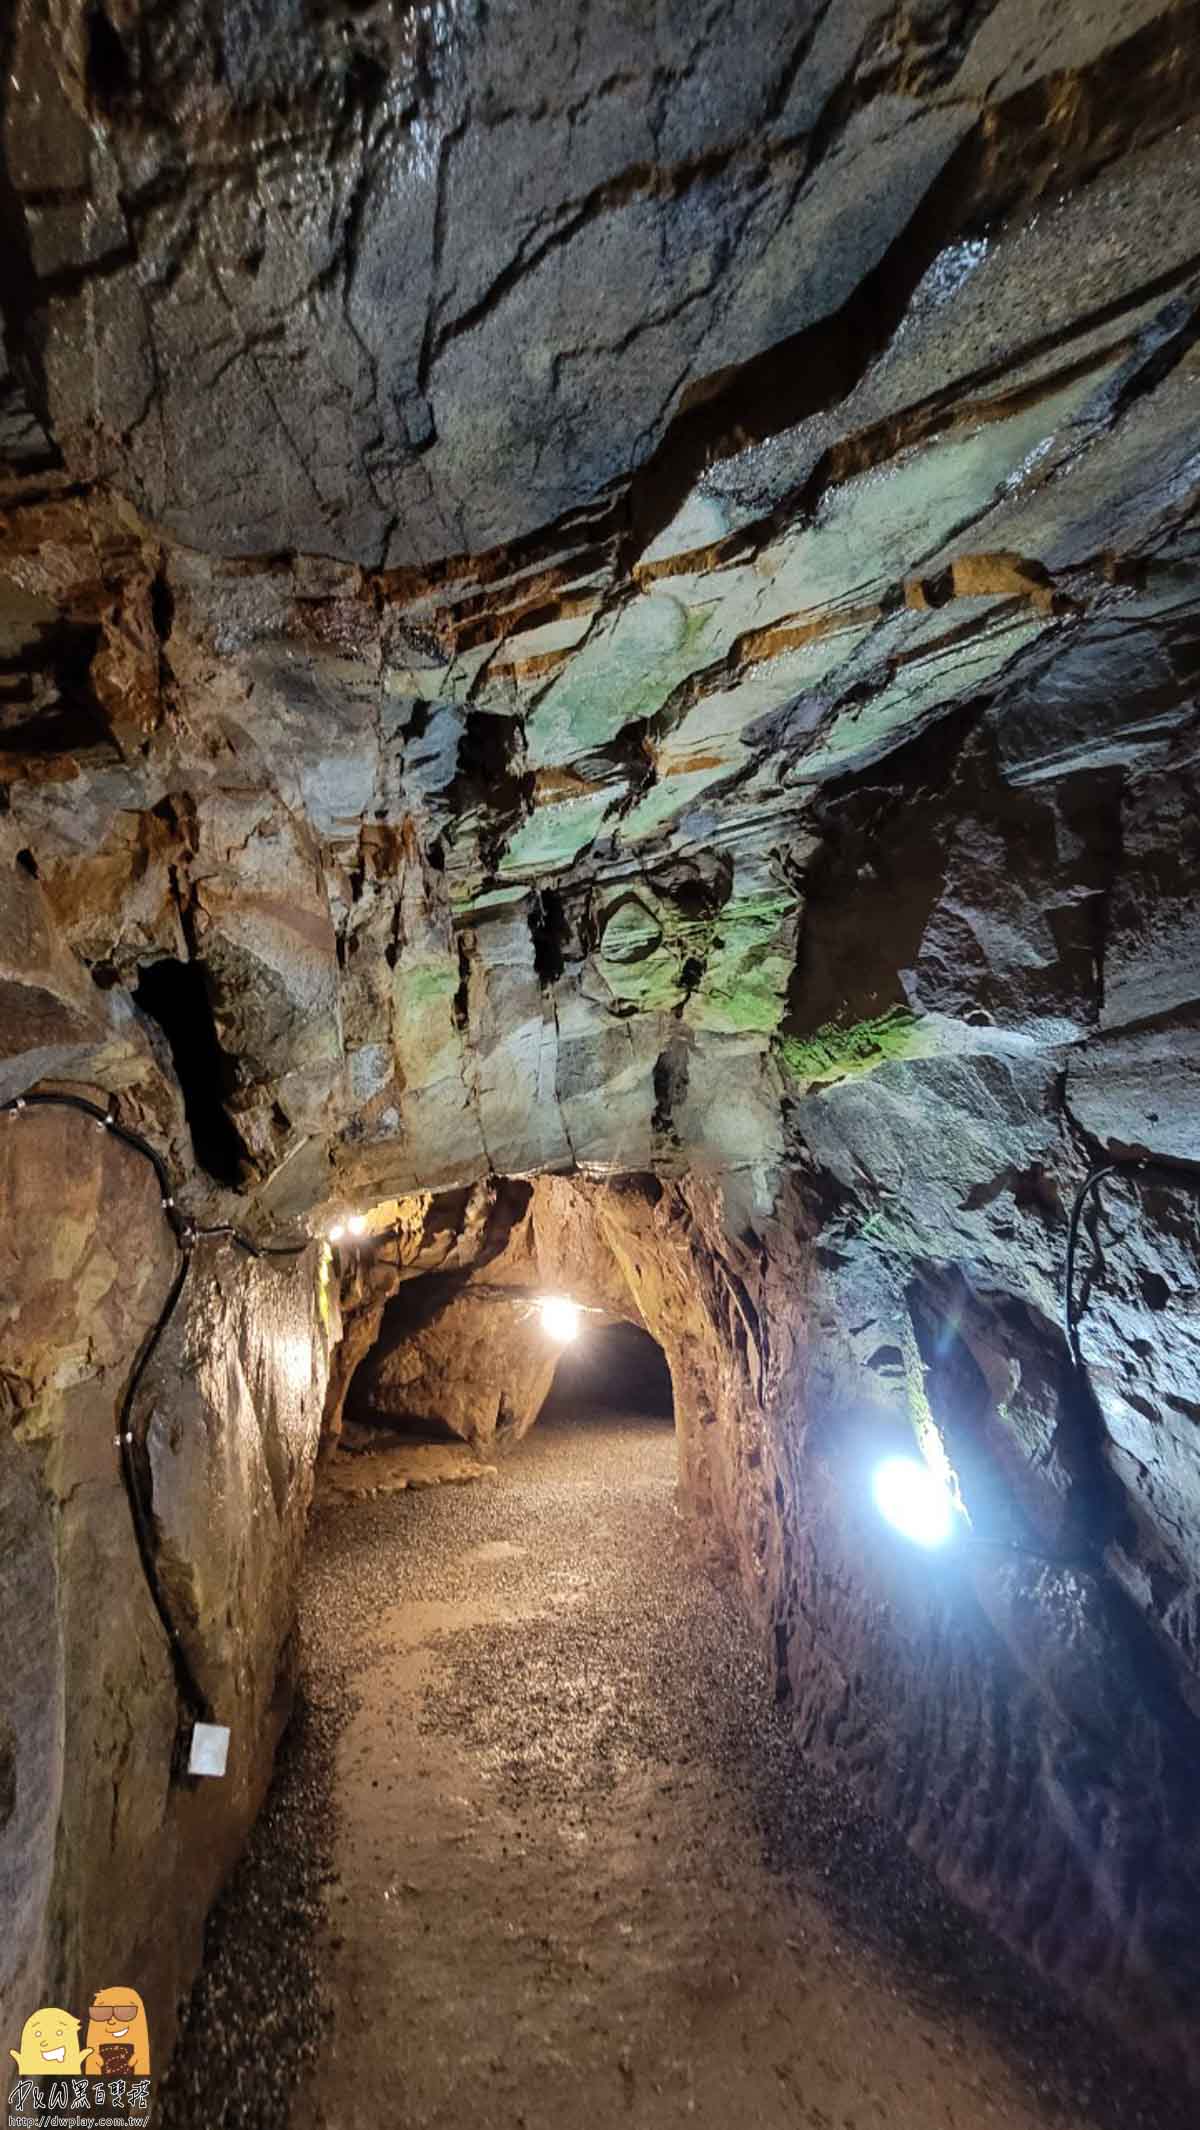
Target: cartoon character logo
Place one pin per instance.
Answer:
(118, 2038)
(50, 2044)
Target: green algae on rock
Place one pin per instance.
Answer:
(835, 1053)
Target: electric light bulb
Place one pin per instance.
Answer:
(560, 1319)
(357, 1223)
(914, 1500)
(336, 1232)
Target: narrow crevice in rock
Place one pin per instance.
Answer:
(550, 930)
(175, 995)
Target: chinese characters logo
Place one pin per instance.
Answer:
(106, 2080)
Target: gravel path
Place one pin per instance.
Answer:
(540, 1855)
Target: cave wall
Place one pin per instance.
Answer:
(1017, 1707)
(478, 1370)
(1005, 1707)
(107, 1865)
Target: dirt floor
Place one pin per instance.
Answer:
(541, 1856)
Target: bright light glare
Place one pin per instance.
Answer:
(336, 1232)
(560, 1320)
(357, 1223)
(914, 1499)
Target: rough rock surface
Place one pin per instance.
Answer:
(499, 490)
(97, 1845)
(619, 594)
(477, 1371)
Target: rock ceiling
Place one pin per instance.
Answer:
(607, 577)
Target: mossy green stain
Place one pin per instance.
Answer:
(748, 968)
(833, 1052)
(425, 983)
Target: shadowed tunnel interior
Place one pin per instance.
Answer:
(612, 1368)
(599, 1052)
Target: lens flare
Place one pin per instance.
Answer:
(560, 1319)
(914, 1500)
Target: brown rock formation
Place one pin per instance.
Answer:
(103, 1860)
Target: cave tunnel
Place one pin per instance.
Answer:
(479, 1358)
(611, 1370)
(599, 1047)
(602, 1370)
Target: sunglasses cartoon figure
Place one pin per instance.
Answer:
(117, 2034)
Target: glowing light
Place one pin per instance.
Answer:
(295, 1354)
(914, 1500)
(336, 1232)
(357, 1223)
(560, 1319)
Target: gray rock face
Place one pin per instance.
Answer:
(389, 293)
(613, 592)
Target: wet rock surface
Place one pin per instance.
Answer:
(225, 1429)
(541, 1844)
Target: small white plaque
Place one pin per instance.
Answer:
(210, 1749)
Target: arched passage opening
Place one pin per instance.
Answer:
(614, 1371)
(467, 1330)
(493, 1372)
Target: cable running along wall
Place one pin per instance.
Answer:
(186, 1233)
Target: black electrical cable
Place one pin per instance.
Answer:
(190, 1691)
(185, 1232)
(254, 1249)
(185, 1229)
(1129, 1165)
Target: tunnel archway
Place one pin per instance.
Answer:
(449, 1332)
(610, 1371)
